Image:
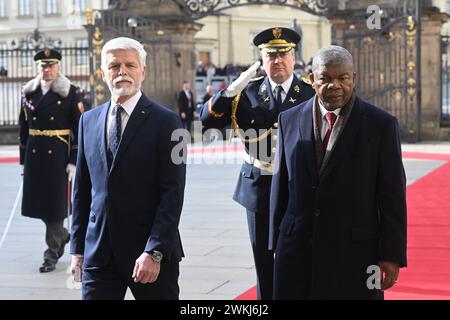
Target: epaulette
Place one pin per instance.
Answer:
(305, 80)
(257, 79)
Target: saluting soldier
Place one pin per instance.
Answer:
(252, 106)
(50, 109)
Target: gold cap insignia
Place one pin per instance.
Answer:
(47, 53)
(276, 32)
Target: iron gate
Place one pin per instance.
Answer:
(386, 61)
(19, 68)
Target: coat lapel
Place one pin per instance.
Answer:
(294, 95)
(348, 138)
(137, 118)
(101, 131)
(264, 95)
(306, 136)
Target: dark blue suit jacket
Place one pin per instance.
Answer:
(135, 206)
(328, 229)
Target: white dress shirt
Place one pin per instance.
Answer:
(285, 85)
(128, 106)
(325, 124)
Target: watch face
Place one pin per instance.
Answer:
(157, 256)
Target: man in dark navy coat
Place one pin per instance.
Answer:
(49, 114)
(338, 201)
(257, 103)
(129, 188)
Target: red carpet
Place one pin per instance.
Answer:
(9, 160)
(427, 276)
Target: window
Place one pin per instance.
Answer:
(79, 5)
(82, 53)
(2, 9)
(51, 7)
(24, 8)
(105, 4)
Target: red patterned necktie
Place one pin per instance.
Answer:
(331, 118)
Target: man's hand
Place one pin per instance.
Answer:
(70, 169)
(183, 115)
(76, 264)
(389, 273)
(146, 270)
(240, 83)
(21, 170)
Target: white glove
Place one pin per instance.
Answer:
(240, 83)
(70, 169)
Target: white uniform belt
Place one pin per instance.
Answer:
(267, 166)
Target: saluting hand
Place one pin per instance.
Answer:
(145, 270)
(242, 81)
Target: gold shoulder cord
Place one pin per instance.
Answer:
(235, 126)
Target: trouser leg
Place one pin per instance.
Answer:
(56, 236)
(258, 225)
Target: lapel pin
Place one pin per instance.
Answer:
(297, 88)
(142, 111)
(292, 100)
(266, 99)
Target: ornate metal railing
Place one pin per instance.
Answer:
(200, 8)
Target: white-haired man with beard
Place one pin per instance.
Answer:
(128, 192)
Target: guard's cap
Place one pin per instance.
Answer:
(277, 39)
(47, 56)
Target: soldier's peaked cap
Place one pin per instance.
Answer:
(49, 56)
(277, 39)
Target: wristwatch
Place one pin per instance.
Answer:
(157, 256)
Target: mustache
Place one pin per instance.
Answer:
(123, 78)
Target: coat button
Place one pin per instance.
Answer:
(275, 125)
(34, 150)
(275, 137)
(34, 118)
(317, 213)
(52, 118)
(50, 151)
(58, 102)
(252, 121)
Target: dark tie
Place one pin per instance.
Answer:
(115, 132)
(331, 118)
(278, 99)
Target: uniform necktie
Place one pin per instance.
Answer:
(331, 118)
(278, 99)
(115, 132)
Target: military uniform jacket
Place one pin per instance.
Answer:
(48, 142)
(256, 110)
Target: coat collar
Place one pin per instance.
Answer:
(293, 97)
(60, 86)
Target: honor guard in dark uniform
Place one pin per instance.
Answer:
(50, 109)
(252, 106)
